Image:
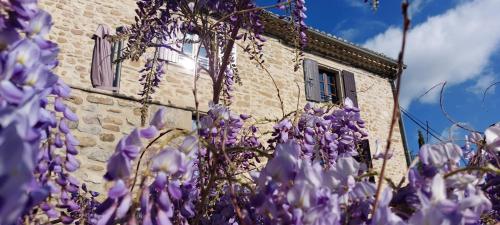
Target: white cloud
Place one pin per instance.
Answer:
(349, 34)
(352, 29)
(416, 6)
(455, 46)
(482, 83)
(356, 3)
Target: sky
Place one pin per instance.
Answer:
(456, 42)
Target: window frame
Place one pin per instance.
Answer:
(195, 45)
(336, 80)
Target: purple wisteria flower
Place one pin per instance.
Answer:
(492, 138)
(28, 91)
(221, 173)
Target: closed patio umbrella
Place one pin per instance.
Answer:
(101, 72)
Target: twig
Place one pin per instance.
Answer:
(147, 88)
(144, 151)
(430, 89)
(487, 89)
(256, 59)
(475, 168)
(365, 90)
(298, 103)
(234, 201)
(441, 103)
(395, 110)
(249, 10)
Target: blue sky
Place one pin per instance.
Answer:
(453, 41)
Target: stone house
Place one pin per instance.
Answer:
(333, 69)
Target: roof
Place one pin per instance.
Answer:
(333, 47)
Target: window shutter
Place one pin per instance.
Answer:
(311, 80)
(118, 54)
(365, 156)
(350, 87)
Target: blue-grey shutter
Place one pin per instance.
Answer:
(117, 59)
(311, 80)
(350, 87)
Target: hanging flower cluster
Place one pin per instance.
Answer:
(151, 76)
(325, 136)
(297, 186)
(299, 15)
(37, 148)
(220, 173)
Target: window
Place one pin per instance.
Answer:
(189, 48)
(328, 85)
(188, 45)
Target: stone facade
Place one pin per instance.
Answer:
(105, 116)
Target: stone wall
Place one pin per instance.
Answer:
(103, 121)
(75, 22)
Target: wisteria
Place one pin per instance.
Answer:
(307, 170)
(166, 23)
(37, 148)
(296, 185)
(151, 76)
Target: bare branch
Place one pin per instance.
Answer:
(488, 88)
(458, 124)
(395, 110)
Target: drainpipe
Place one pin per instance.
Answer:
(401, 127)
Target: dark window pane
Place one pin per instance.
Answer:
(321, 86)
(330, 79)
(328, 82)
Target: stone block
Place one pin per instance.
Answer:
(86, 141)
(93, 177)
(90, 119)
(89, 108)
(96, 168)
(98, 154)
(107, 137)
(125, 103)
(94, 130)
(100, 100)
(137, 111)
(75, 99)
(110, 119)
(73, 124)
(114, 110)
(111, 127)
(134, 120)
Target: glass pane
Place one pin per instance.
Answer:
(203, 53)
(322, 91)
(331, 79)
(187, 48)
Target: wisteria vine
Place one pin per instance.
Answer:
(36, 146)
(226, 171)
